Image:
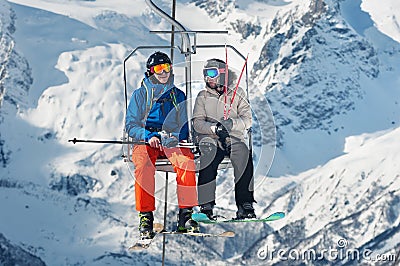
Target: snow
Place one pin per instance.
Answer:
(355, 142)
(75, 50)
(386, 16)
(85, 11)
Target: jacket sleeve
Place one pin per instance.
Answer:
(134, 124)
(200, 123)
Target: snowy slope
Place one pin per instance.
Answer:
(354, 197)
(330, 74)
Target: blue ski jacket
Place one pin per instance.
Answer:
(155, 107)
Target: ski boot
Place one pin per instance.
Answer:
(185, 222)
(245, 211)
(146, 225)
(207, 209)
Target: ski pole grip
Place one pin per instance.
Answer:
(73, 140)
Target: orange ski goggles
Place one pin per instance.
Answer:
(158, 69)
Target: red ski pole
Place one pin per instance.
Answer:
(237, 86)
(226, 83)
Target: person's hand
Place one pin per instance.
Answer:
(169, 142)
(227, 124)
(223, 128)
(221, 132)
(154, 142)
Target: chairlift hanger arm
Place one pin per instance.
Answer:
(174, 22)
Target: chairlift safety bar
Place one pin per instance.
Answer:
(190, 31)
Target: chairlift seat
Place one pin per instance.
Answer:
(164, 165)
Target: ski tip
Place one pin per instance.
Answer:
(278, 215)
(200, 217)
(158, 227)
(137, 248)
(227, 234)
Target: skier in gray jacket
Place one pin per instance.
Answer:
(221, 118)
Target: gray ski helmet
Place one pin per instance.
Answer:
(156, 59)
(218, 63)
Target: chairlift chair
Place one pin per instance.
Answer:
(163, 164)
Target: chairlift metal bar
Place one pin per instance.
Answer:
(190, 31)
(222, 46)
(161, 13)
(173, 13)
(165, 216)
(75, 140)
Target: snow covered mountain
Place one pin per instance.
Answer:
(329, 70)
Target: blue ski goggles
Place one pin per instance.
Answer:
(213, 72)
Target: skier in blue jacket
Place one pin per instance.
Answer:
(157, 114)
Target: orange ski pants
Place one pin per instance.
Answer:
(182, 160)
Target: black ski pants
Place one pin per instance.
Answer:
(242, 163)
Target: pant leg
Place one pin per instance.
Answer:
(242, 162)
(144, 158)
(207, 176)
(182, 160)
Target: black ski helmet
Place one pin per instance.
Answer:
(156, 59)
(218, 63)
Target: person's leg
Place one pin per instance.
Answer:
(207, 175)
(183, 161)
(242, 162)
(143, 158)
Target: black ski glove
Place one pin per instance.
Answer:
(228, 124)
(223, 128)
